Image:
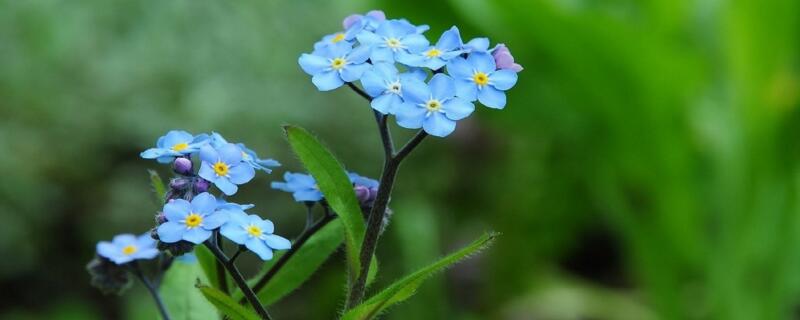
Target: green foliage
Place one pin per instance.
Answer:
(335, 185)
(208, 263)
(182, 300)
(225, 304)
(406, 287)
(159, 189)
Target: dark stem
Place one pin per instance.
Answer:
(222, 279)
(410, 145)
(301, 239)
(309, 214)
(153, 292)
(380, 119)
(238, 252)
(359, 91)
(239, 279)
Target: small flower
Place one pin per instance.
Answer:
(371, 20)
(191, 221)
(392, 38)
(224, 167)
(503, 58)
(384, 83)
(366, 189)
(477, 78)
(349, 35)
(302, 186)
(125, 248)
(476, 45)
(433, 107)
(254, 233)
(249, 156)
(435, 57)
(332, 66)
(174, 144)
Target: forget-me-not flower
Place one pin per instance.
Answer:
(254, 233)
(224, 166)
(191, 221)
(433, 106)
(477, 78)
(476, 45)
(332, 66)
(125, 248)
(503, 58)
(392, 38)
(302, 186)
(435, 57)
(248, 155)
(384, 83)
(349, 35)
(369, 21)
(175, 143)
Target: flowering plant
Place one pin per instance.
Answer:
(422, 85)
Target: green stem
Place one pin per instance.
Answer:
(152, 289)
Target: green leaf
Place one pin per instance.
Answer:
(182, 300)
(208, 263)
(406, 287)
(159, 189)
(303, 264)
(225, 304)
(336, 186)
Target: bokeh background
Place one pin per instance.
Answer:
(646, 166)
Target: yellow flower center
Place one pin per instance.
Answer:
(393, 43)
(480, 78)
(433, 53)
(338, 37)
(180, 146)
(433, 105)
(221, 169)
(129, 250)
(254, 231)
(338, 63)
(193, 220)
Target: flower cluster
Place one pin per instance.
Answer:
(424, 85)
(304, 188)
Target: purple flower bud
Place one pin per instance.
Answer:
(201, 185)
(352, 19)
(182, 166)
(178, 183)
(504, 59)
(362, 194)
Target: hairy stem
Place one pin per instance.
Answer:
(222, 279)
(239, 279)
(152, 289)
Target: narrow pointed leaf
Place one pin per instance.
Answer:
(225, 304)
(406, 287)
(335, 185)
(159, 189)
(180, 297)
(208, 263)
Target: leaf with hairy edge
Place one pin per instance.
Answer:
(208, 263)
(180, 297)
(405, 288)
(336, 186)
(158, 186)
(225, 304)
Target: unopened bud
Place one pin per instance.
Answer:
(182, 166)
(201, 185)
(179, 183)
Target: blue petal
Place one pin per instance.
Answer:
(226, 186)
(381, 54)
(466, 89)
(414, 74)
(298, 181)
(259, 247)
(204, 203)
(482, 62)
(215, 220)
(176, 210)
(277, 242)
(359, 55)
(148, 253)
(230, 153)
(450, 40)
(124, 239)
(307, 195)
(492, 97)
(503, 79)
(438, 125)
(327, 80)
(354, 72)
(145, 241)
(386, 103)
(459, 68)
(457, 108)
(175, 137)
(416, 92)
(265, 225)
(235, 232)
(372, 82)
(410, 116)
(153, 153)
(106, 249)
(241, 174)
(283, 186)
(207, 172)
(312, 64)
(209, 154)
(340, 49)
(121, 259)
(395, 29)
(477, 44)
(196, 235)
(442, 86)
(169, 232)
(412, 59)
(368, 38)
(416, 42)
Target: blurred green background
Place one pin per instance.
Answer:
(646, 166)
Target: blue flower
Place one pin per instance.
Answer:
(175, 143)
(477, 78)
(125, 248)
(224, 167)
(359, 180)
(302, 186)
(254, 233)
(384, 83)
(332, 66)
(349, 35)
(369, 21)
(435, 57)
(392, 38)
(248, 155)
(476, 45)
(191, 221)
(433, 107)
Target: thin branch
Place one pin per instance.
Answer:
(222, 279)
(239, 279)
(359, 91)
(380, 119)
(410, 145)
(152, 289)
(239, 251)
